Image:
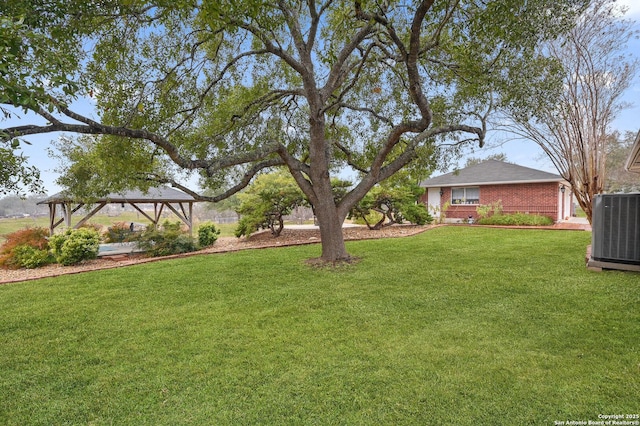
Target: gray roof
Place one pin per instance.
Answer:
(491, 172)
(159, 194)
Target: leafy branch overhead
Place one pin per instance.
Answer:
(228, 89)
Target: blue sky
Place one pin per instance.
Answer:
(521, 152)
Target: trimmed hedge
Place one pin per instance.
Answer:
(516, 219)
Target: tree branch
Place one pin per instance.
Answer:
(240, 185)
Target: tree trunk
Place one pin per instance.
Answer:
(585, 200)
(332, 238)
(277, 231)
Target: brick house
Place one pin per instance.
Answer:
(520, 190)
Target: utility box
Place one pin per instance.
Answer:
(616, 228)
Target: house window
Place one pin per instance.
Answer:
(469, 195)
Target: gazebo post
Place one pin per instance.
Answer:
(158, 213)
(186, 216)
(67, 214)
(52, 217)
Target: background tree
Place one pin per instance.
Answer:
(617, 178)
(230, 88)
(477, 160)
(392, 204)
(266, 202)
(39, 58)
(13, 205)
(574, 133)
(16, 176)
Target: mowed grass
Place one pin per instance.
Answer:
(458, 325)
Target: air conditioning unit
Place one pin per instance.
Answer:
(616, 228)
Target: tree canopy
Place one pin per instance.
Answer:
(501, 156)
(266, 202)
(392, 202)
(230, 88)
(574, 132)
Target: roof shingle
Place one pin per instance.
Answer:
(491, 172)
(158, 194)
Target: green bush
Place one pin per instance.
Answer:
(246, 226)
(117, 233)
(75, 246)
(516, 219)
(166, 241)
(371, 217)
(395, 202)
(95, 226)
(207, 234)
(487, 210)
(26, 256)
(169, 226)
(417, 214)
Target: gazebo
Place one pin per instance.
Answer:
(178, 202)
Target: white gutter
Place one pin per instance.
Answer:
(502, 182)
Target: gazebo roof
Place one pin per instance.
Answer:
(160, 194)
(160, 197)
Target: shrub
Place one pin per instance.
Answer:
(35, 237)
(95, 226)
(417, 214)
(516, 219)
(487, 210)
(207, 234)
(166, 241)
(371, 217)
(246, 226)
(32, 237)
(118, 233)
(169, 226)
(75, 246)
(29, 257)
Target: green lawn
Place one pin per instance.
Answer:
(456, 326)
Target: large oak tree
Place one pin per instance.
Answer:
(228, 89)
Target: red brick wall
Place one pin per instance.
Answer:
(534, 198)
